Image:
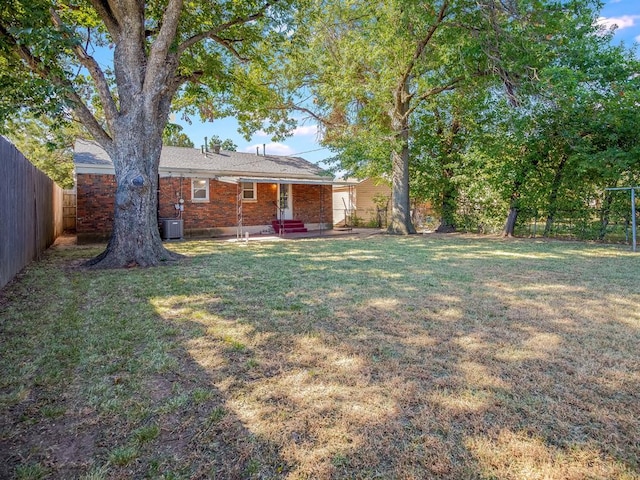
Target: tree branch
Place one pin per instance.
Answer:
(434, 91)
(220, 28)
(38, 67)
(228, 45)
(87, 61)
(107, 15)
(160, 48)
(492, 50)
(424, 42)
(323, 121)
(313, 115)
(182, 79)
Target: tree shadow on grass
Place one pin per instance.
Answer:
(455, 365)
(112, 392)
(358, 360)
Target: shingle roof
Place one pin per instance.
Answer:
(179, 159)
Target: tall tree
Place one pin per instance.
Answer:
(572, 135)
(198, 56)
(372, 65)
(441, 133)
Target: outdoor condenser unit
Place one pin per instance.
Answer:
(171, 228)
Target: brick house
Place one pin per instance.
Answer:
(212, 193)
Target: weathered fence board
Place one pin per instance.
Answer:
(69, 210)
(30, 212)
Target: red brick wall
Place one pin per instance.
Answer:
(95, 205)
(221, 209)
(264, 210)
(312, 203)
(96, 202)
(170, 189)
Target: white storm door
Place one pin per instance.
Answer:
(284, 201)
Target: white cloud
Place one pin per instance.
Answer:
(273, 148)
(624, 21)
(306, 130)
(637, 39)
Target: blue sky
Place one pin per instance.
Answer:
(625, 14)
(302, 143)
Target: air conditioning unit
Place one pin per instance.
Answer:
(171, 228)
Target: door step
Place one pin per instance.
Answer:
(288, 226)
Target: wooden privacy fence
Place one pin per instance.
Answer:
(69, 210)
(30, 211)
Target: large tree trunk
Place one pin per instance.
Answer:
(512, 217)
(449, 200)
(514, 204)
(400, 201)
(135, 238)
(146, 90)
(401, 223)
(510, 224)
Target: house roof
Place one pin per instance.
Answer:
(89, 157)
(344, 184)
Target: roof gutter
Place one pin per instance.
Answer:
(299, 181)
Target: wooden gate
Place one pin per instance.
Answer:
(69, 210)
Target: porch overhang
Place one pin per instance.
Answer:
(292, 180)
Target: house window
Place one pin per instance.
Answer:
(200, 190)
(249, 191)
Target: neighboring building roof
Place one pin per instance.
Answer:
(89, 157)
(351, 180)
(345, 184)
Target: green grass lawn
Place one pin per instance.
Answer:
(454, 357)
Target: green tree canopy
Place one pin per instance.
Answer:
(199, 57)
(570, 137)
(371, 66)
(175, 137)
(226, 144)
(47, 144)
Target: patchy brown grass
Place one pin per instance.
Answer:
(453, 357)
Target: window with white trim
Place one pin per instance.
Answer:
(199, 190)
(249, 191)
